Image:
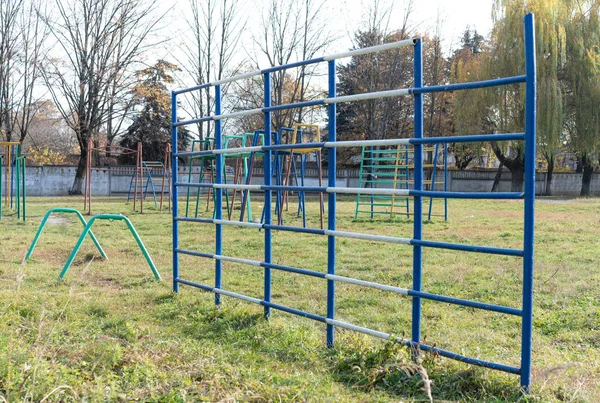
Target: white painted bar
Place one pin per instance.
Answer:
(237, 260)
(235, 78)
(371, 49)
(368, 95)
(382, 238)
(370, 191)
(341, 279)
(366, 143)
(360, 329)
(237, 114)
(238, 223)
(236, 150)
(236, 186)
(236, 295)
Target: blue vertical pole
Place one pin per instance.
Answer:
(219, 195)
(331, 204)
(268, 195)
(174, 181)
(371, 179)
(445, 181)
(530, 160)
(418, 185)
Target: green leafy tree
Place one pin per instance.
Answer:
(505, 58)
(152, 123)
(583, 82)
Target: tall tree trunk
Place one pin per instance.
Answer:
(588, 170)
(517, 178)
(515, 165)
(549, 175)
(80, 173)
(497, 178)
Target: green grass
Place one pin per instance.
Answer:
(109, 332)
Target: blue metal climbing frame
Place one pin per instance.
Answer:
(418, 193)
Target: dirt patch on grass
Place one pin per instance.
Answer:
(58, 220)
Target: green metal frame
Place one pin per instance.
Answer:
(87, 231)
(20, 194)
(65, 211)
(109, 217)
(1, 173)
(388, 167)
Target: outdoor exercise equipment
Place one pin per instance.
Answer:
(63, 210)
(13, 185)
(154, 178)
(235, 174)
(87, 231)
(416, 293)
(289, 160)
(113, 151)
(386, 167)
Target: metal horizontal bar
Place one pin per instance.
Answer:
(370, 191)
(468, 86)
(369, 237)
(314, 231)
(365, 191)
(465, 302)
(367, 96)
(364, 143)
(236, 78)
(190, 89)
(192, 121)
(351, 53)
(249, 149)
(382, 287)
(467, 195)
(469, 360)
(475, 138)
(357, 235)
(349, 280)
(292, 65)
(254, 300)
(467, 248)
(238, 114)
(294, 105)
(425, 347)
(371, 49)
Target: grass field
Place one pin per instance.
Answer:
(109, 332)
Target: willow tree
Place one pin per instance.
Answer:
(469, 107)
(583, 81)
(506, 59)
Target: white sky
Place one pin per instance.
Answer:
(346, 17)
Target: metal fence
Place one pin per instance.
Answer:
(416, 242)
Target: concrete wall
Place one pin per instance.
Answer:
(57, 180)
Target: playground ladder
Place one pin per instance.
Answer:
(383, 168)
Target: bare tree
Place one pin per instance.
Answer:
(216, 28)
(22, 35)
(292, 30)
(101, 41)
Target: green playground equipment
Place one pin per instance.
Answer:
(87, 231)
(383, 167)
(65, 211)
(387, 167)
(237, 173)
(13, 186)
(207, 163)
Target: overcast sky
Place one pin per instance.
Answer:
(346, 16)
